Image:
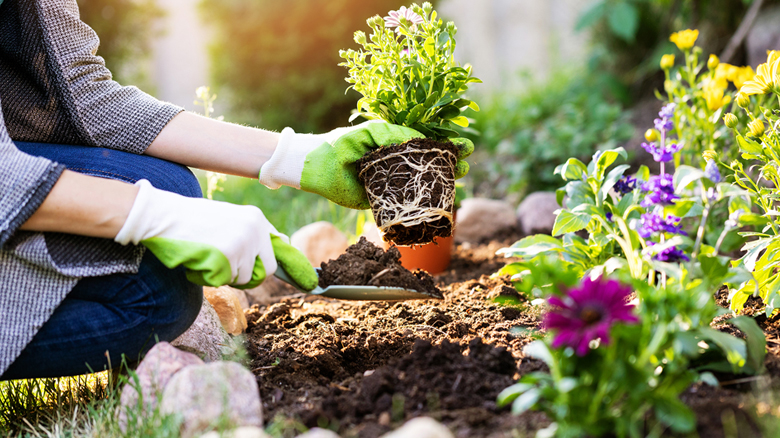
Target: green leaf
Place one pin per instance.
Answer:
(685, 175)
(460, 121)
(525, 402)
(756, 342)
(430, 46)
(510, 393)
(749, 146)
(415, 114)
(643, 174)
(539, 350)
(675, 414)
(605, 159)
(531, 246)
(442, 39)
(568, 222)
(623, 19)
(572, 169)
(591, 16)
(734, 348)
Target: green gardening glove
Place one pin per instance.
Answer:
(217, 242)
(325, 163)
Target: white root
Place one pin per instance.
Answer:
(412, 203)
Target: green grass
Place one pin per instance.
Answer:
(287, 209)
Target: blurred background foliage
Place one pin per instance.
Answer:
(276, 62)
(127, 29)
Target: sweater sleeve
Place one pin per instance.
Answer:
(25, 181)
(108, 114)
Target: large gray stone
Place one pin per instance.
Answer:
(206, 337)
(319, 433)
(206, 394)
(320, 242)
(480, 218)
(763, 36)
(421, 427)
(154, 372)
(241, 432)
(536, 213)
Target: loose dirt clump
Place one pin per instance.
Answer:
(365, 264)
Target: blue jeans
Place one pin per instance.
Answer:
(105, 318)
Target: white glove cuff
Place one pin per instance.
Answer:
(131, 230)
(286, 164)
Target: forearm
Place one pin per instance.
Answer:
(209, 144)
(84, 205)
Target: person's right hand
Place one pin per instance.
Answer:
(217, 242)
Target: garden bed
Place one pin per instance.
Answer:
(363, 368)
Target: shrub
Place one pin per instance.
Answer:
(528, 134)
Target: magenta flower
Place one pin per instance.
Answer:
(394, 18)
(587, 313)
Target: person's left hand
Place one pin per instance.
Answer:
(325, 164)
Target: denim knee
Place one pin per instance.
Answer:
(172, 177)
(177, 302)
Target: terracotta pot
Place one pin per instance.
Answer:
(432, 257)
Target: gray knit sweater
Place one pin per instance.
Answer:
(54, 89)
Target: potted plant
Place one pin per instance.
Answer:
(408, 76)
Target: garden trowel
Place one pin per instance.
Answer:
(363, 293)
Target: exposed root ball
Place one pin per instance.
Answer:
(411, 188)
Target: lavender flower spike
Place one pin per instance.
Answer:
(654, 223)
(712, 172)
(662, 154)
(625, 185)
(660, 190)
(588, 313)
(670, 255)
(664, 122)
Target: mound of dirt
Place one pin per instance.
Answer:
(365, 264)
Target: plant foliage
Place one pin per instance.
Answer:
(407, 73)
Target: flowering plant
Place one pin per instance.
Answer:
(758, 141)
(407, 74)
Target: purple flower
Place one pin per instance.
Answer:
(394, 17)
(712, 172)
(654, 223)
(624, 185)
(671, 254)
(660, 190)
(662, 154)
(609, 216)
(664, 122)
(587, 313)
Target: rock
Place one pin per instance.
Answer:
(206, 337)
(155, 370)
(242, 297)
(205, 394)
(318, 433)
(228, 308)
(269, 292)
(241, 432)
(763, 36)
(420, 427)
(479, 218)
(320, 242)
(536, 213)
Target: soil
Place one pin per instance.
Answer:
(364, 264)
(391, 180)
(363, 368)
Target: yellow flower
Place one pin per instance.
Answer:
(667, 62)
(766, 78)
(730, 120)
(756, 128)
(651, 135)
(713, 94)
(743, 74)
(743, 100)
(684, 39)
(713, 62)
